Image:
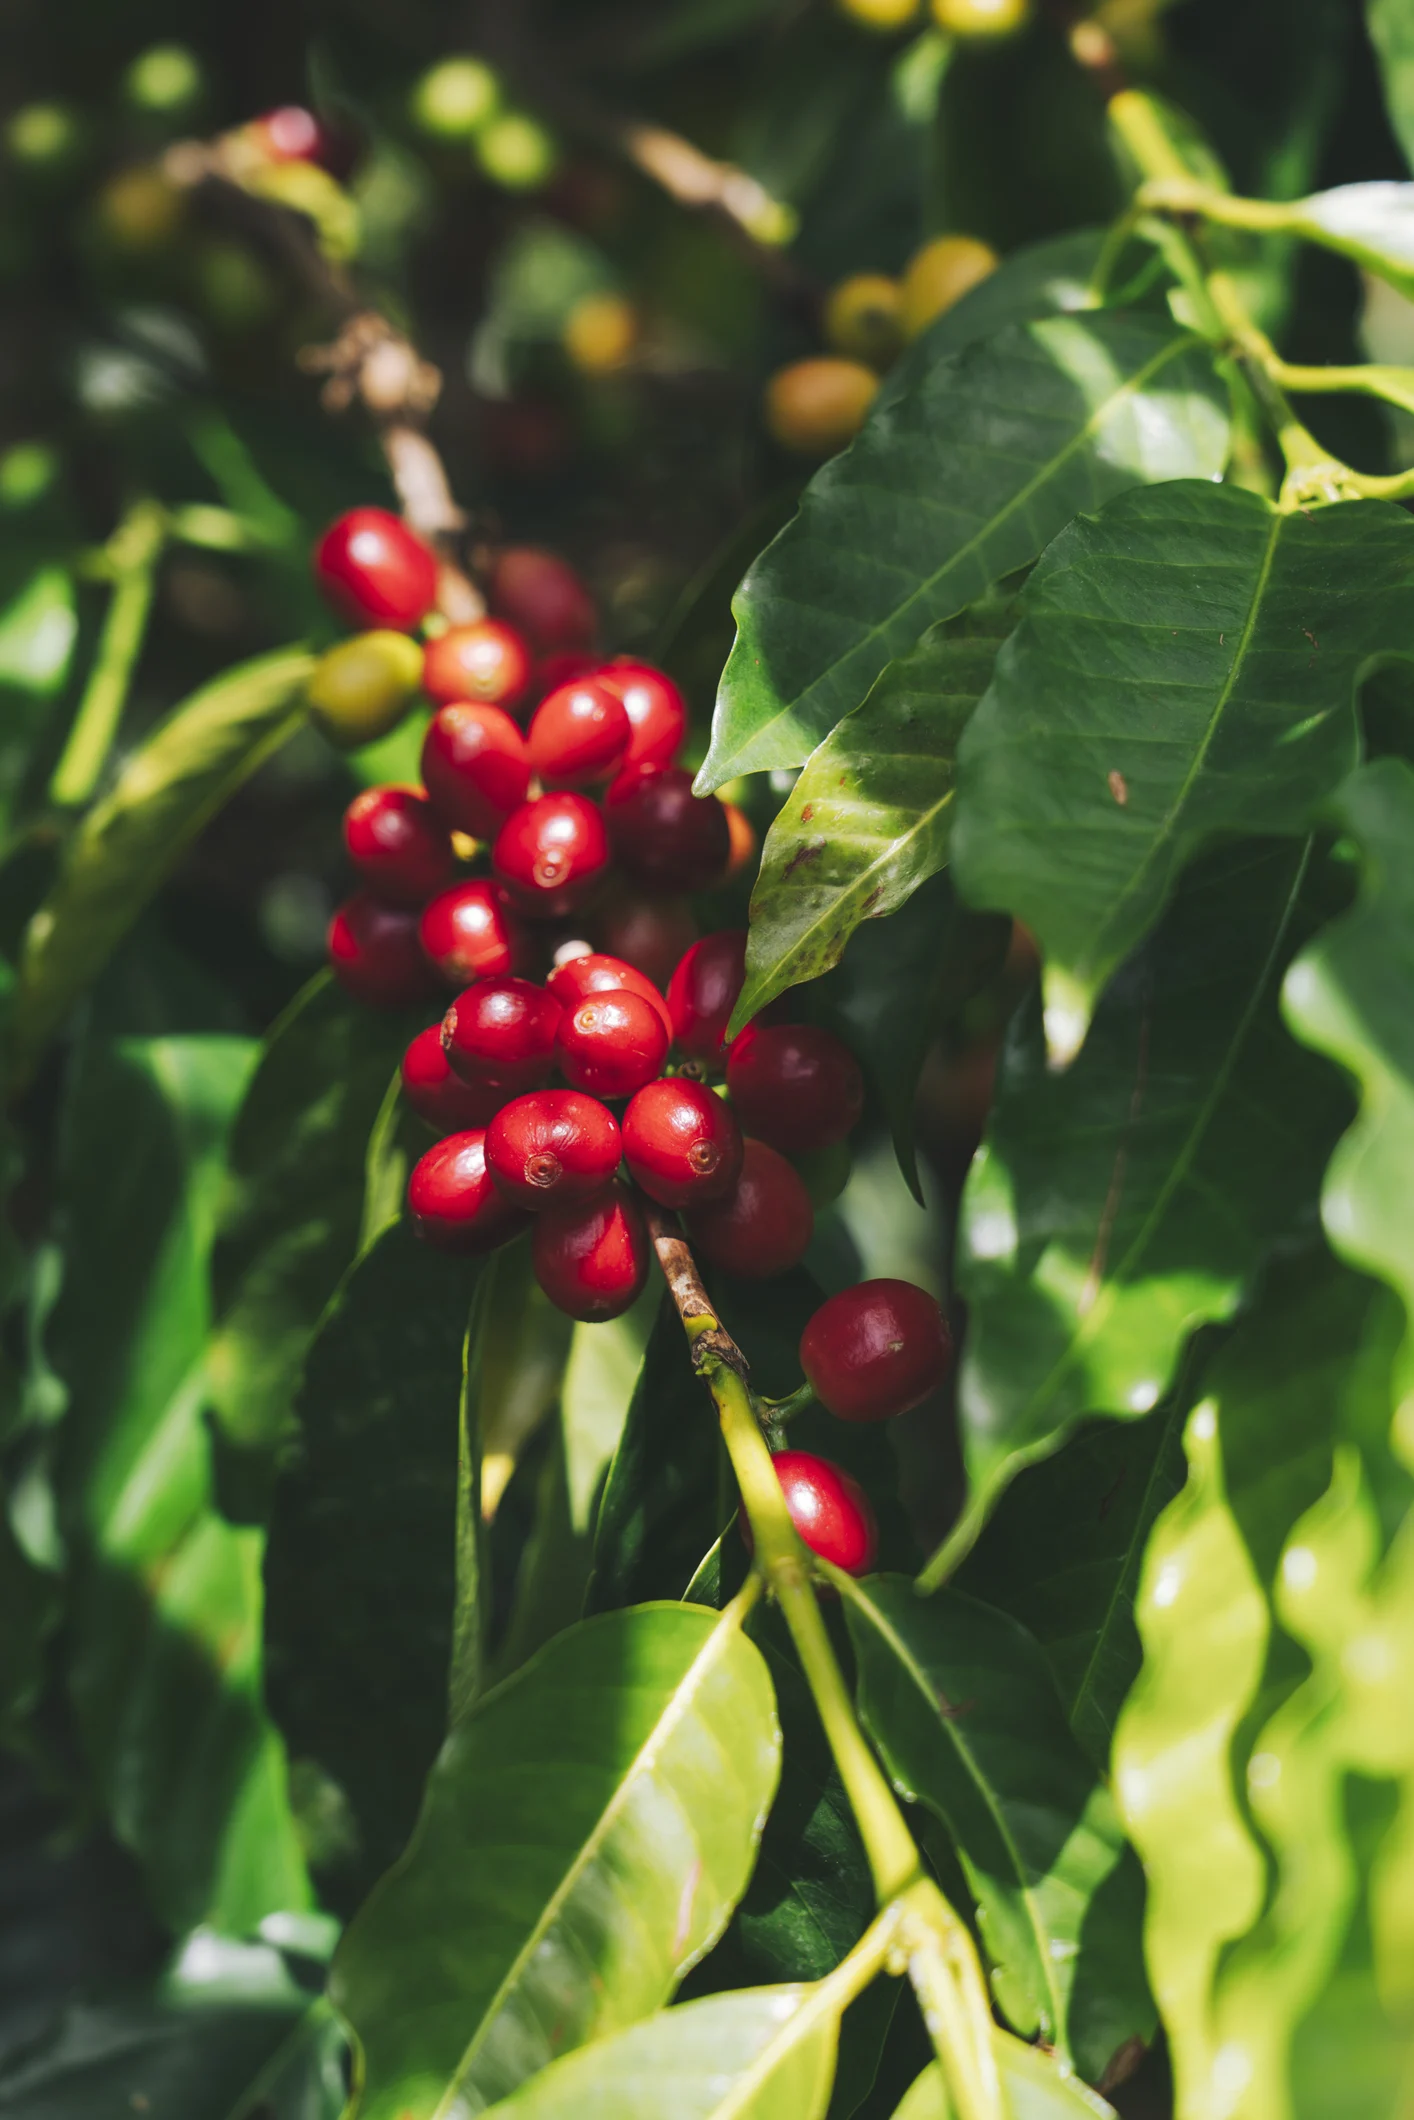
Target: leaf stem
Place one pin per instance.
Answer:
(132, 554)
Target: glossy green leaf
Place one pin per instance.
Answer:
(1116, 1207)
(293, 1204)
(1038, 280)
(949, 488)
(1372, 224)
(584, 1837)
(1391, 28)
(1037, 2088)
(1186, 666)
(360, 1564)
(129, 842)
(600, 1376)
(164, 1614)
(960, 1702)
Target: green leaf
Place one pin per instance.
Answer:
(1185, 667)
(584, 1837)
(360, 1565)
(1037, 2088)
(37, 633)
(30, 1599)
(1115, 1208)
(600, 1377)
(129, 842)
(960, 1702)
(164, 1614)
(1371, 223)
(868, 820)
(1038, 280)
(948, 489)
(294, 1199)
(1391, 28)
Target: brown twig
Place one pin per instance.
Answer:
(708, 1337)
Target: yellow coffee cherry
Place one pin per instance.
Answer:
(516, 151)
(881, 15)
(362, 688)
(981, 18)
(454, 99)
(816, 406)
(862, 318)
(138, 210)
(599, 332)
(940, 274)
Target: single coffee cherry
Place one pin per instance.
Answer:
(475, 766)
(291, 134)
(862, 318)
(656, 710)
(362, 688)
(592, 1260)
(439, 1096)
(611, 1043)
(651, 934)
(542, 596)
(374, 953)
(375, 570)
(875, 1350)
(663, 834)
(469, 933)
(453, 1202)
(681, 1143)
(486, 661)
(500, 1034)
(552, 1147)
(885, 16)
(831, 1512)
(939, 274)
(815, 406)
(579, 734)
(579, 977)
(981, 20)
(763, 1225)
(398, 844)
(703, 992)
(550, 853)
(794, 1085)
(741, 837)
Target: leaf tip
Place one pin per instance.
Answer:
(1066, 1015)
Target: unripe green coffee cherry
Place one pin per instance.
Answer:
(881, 15)
(362, 688)
(516, 152)
(165, 81)
(979, 20)
(862, 318)
(454, 100)
(43, 137)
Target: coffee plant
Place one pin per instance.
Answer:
(707, 1005)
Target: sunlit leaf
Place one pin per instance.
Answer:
(1391, 30)
(1037, 2088)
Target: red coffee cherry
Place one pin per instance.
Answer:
(579, 977)
(374, 953)
(552, 1147)
(681, 1143)
(662, 834)
(651, 934)
(703, 992)
(469, 933)
(830, 1511)
(375, 570)
(439, 1096)
(453, 1202)
(398, 844)
(475, 766)
(656, 710)
(500, 1034)
(543, 596)
(550, 853)
(763, 1225)
(592, 1260)
(565, 667)
(292, 134)
(794, 1085)
(485, 662)
(875, 1350)
(611, 1043)
(579, 734)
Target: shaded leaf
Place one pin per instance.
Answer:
(522, 1345)
(1391, 28)
(604, 1362)
(584, 1836)
(1037, 2088)
(30, 1601)
(949, 488)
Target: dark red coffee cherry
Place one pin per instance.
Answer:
(703, 992)
(553, 1147)
(375, 955)
(579, 734)
(794, 1085)
(469, 933)
(681, 1143)
(543, 596)
(875, 1350)
(439, 1096)
(830, 1511)
(611, 1043)
(651, 934)
(375, 570)
(550, 853)
(763, 1225)
(475, 766)
(593, 973)
(453, 1202)
(656, 710)
(592, 1260)
(398, 844)
(486, 663)
(500, 1034)
(663, 834)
